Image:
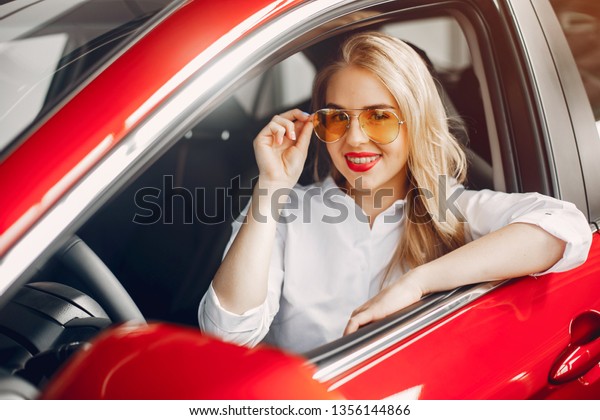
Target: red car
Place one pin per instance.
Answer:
(126, 140)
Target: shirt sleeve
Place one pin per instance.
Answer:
(486, 211)
(250, 327)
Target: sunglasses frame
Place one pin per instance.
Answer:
(350, 116)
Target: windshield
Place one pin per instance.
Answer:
(48, 47)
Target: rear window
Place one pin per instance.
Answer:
(48, 47)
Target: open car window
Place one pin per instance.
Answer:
(174, 219)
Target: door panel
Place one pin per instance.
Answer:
(502, 346)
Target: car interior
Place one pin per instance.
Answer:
(163, 235)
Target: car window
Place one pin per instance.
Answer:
(203, 182)
(164, 234)
(580, 21)
(47, 48)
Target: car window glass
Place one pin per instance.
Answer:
(47, 48)
(580, 21)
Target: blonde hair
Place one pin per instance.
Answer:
(433, 153)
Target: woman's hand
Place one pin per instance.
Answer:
(398, 295)
(281, 148)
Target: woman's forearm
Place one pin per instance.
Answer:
(280, 149)
(515, 250)
(241, 281)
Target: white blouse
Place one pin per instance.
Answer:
(327, 261)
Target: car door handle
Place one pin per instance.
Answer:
(582, 353)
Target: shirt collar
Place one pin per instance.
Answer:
(395, 208)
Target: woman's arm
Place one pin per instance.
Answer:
(241, 281)
(512, 251)
(515, 235)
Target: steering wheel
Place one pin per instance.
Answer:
(106, 288)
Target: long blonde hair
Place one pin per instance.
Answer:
(434, 154)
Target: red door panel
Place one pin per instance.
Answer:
(501, 346)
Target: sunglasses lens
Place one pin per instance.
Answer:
(330, 124)
(379, 125)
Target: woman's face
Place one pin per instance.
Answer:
(385, 166)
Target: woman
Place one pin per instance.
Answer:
(388, 225)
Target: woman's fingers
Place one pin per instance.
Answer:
(391, 299)
(294, 120)
(276, 131)
(359, 319)
(296, 115)
(282, 146)
(372, 310)
(285, 125)
(304, 136)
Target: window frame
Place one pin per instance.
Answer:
(583, 123)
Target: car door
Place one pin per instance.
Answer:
(521, 339)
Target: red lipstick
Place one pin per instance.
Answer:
(361, 161)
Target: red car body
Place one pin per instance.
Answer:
(126, 88)
(525, 338)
